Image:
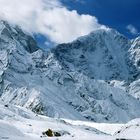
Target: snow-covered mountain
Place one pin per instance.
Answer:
(96, 77)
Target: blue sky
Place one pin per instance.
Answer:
(117, 14)
(61, 21)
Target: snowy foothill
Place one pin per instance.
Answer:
(17, 126)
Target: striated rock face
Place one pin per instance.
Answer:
(95, 77)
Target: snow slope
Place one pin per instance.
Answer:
(18, 123)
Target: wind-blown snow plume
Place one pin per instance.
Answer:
(49, 18)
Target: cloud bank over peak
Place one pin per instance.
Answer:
(49, 18)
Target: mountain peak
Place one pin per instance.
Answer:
(85, 79)
(102, 34)
(13, 33)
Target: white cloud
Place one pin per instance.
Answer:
(48, 17)
(132, 29)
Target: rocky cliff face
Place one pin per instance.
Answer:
(96, 77)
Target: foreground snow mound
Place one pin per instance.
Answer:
(130, 130)
(27, 125)
(86, 79)
(18, 123)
